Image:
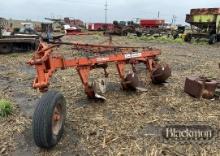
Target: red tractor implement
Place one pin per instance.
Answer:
(49, 116)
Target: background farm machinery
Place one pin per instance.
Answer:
(150, 27)
(122, 28)
(145, 27)
(178, 31)
(49, 116)
(21, 39)
(205, 23)
(99, 26)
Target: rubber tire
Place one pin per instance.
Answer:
(139, 34)
(188, 38)
(218, 38)
(175, 35)
(42, 119)
(124, 33)
(213, 39)
(5, 48)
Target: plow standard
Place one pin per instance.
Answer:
(49, 116)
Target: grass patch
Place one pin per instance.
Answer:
(14, 55)
(166, 39)
(5, 108)
(162, 39)
(199, 42)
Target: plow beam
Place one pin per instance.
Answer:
(46, 63)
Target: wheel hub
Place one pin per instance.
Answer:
(57, 120)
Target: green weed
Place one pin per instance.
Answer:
(5, 108)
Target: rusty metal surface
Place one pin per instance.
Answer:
(97, 48)
(160, 73)
(193, 87)
(209, 88)
(200, 87)
(132, 82)
(205, 11)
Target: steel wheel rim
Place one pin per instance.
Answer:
(57, 119)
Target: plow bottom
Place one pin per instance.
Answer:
(160, 74)
(132, 82)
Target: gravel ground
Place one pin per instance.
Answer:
(127, 123)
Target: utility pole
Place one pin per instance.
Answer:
(174, 19)
(158, 14)
(106, 11)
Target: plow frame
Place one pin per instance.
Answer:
(46, 63)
